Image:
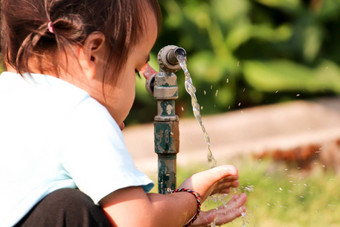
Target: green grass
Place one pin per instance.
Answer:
(281, 196)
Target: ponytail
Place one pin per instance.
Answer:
(34, 28)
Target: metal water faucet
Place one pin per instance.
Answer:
(163, 86)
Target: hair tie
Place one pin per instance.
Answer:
(50, 27)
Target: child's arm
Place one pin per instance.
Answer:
(133, 207)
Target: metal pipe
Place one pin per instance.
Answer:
(163, 86)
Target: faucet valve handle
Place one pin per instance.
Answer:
(149, 73)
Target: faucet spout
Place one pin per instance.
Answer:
(173, 55)
(168, 58)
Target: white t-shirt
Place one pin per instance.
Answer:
(54, 135)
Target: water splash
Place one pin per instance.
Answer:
(190, 88)
(220, 200)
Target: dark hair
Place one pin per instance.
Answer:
(25, 32)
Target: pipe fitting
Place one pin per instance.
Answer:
(150, 74)
(168, 58)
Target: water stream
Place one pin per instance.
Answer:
(190, 88)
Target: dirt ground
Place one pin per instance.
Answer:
(293, 130)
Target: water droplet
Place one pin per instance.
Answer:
(249, 188)
(201, 107)
(280, 189)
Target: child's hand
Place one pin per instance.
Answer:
(217, 180)
(223, 214)
(213, 181)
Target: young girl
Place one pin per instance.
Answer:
(69, 85)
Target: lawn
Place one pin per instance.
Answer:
(282, 196)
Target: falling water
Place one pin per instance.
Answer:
(190, 88)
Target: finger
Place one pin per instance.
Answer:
(223, 214)
(226, 181)
(224, 191)
(237, 201)
(229, 178)
(228, 215)
(234, 183)
(221, 187)
(234, 209)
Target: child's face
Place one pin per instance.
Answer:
(120, 96)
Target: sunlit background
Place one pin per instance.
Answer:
(267, 74)
(244, 53)
(247, 58)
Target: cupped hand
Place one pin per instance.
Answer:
(223, 214)
(216, 180)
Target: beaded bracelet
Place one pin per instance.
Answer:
(198, 200)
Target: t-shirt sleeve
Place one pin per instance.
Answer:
(94, 154)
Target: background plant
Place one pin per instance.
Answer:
(249, 52)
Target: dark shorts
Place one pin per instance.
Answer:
(65, 207)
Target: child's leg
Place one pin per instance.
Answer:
(65, 207)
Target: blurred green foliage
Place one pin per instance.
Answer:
(249, 52)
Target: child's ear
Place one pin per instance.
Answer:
(92, 54)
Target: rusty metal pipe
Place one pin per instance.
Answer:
(163, 86)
